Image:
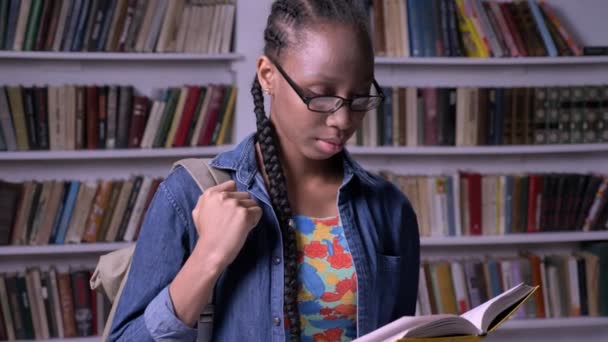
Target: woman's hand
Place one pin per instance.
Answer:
(223, 218)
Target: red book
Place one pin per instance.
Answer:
(138, 121)
(92, 115)
(506, 13)
(474, 189)
(187, 114)
(215, 105)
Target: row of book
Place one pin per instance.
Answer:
(193, 26)
(58, 212)
(571, 285)
(471, 204)
(469, 28)
(470, 116)
(50, 303)
(74, 117)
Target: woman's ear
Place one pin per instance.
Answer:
(265, 70)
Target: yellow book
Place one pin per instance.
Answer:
(227, 119)
(177, 117)
(473, 46)
(472, 325)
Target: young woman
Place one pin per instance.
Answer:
(302, 243)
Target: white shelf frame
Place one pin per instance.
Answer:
(514, 239)
(354, 150)
(495, 62)
(461, 241)
(68, 249)
(477, 150)
(554, 323)
(134, 153)
(117, 56)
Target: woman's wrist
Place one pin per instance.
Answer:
(209, 263)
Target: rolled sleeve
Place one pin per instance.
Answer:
(162, 322)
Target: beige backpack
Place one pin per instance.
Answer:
(112, 269)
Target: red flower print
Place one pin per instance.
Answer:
(346, 309)
(334, 334)
(341, 260)
(315, 250)
(345, 285)
(326, 311)
(331, 297)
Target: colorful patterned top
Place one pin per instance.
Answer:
(327, 296)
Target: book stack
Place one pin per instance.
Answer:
(58, 212)
(474, 116)
(473, 204)
(50, 303)
(77, 117)
(469, 28)
(193, 26)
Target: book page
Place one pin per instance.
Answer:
(482, 315)
(421, 326)
(399, 327)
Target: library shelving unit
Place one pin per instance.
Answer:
(149, 71)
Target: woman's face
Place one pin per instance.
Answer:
(332, 59)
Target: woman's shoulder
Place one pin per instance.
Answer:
(180, 188)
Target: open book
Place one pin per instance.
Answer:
(476, 322)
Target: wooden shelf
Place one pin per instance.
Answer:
(115, 154)
(118, 56)
(477, 150)
(553, 323)
(92, 248)
(521, 61)
(514, 239)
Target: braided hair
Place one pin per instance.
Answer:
(285, 23)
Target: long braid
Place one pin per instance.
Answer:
(286, 19)
(278, 195)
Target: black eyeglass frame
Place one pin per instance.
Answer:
(308, 99)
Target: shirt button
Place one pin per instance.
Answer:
(276, 320)
(277, 260)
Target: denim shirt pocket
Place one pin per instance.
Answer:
(387, 286)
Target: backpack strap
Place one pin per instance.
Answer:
(205, 176)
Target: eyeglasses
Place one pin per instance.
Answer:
(330, 104)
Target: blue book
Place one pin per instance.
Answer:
(542, 27)
(415, 28)
(70, 29)
(105, 26)
(11, 25)
(81, 26)
(66, 188)
(66, 213)
(495, 279)
(449, 189)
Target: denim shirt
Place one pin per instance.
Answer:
(379, 224)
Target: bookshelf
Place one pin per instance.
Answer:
(147, 71)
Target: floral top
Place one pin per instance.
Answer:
(327, 296)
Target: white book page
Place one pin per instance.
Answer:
(399, 327)
(482, 315)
